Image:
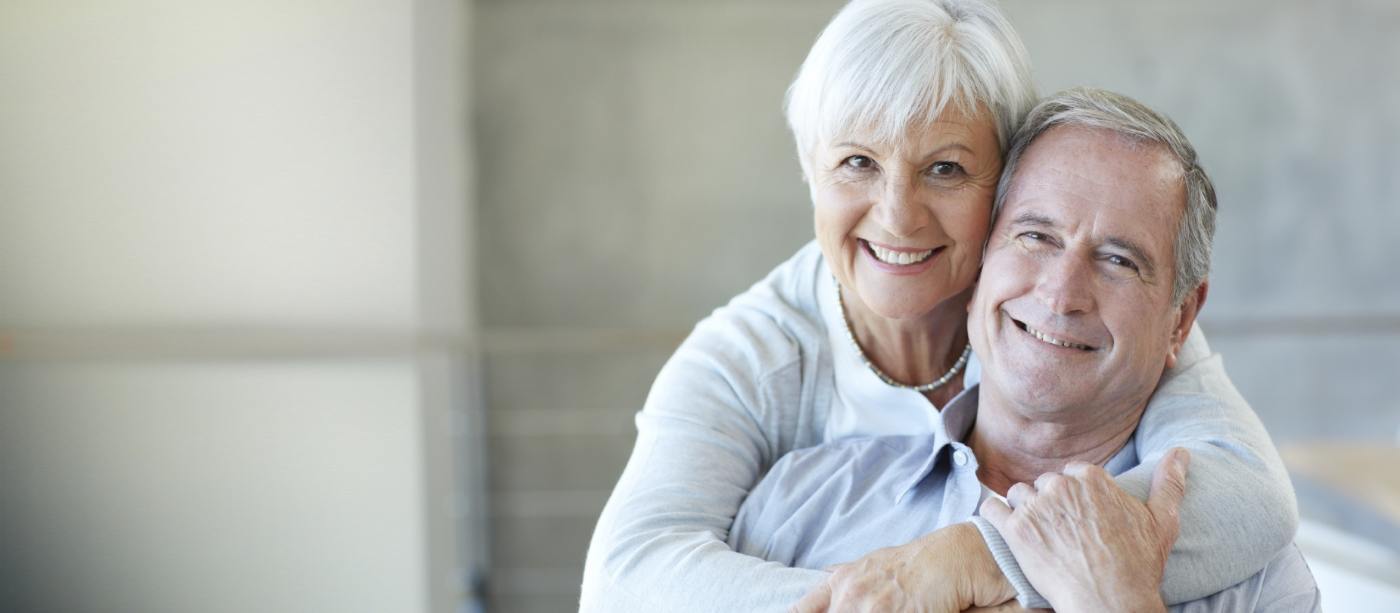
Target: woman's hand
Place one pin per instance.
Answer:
(1085, 544)
(945, 571)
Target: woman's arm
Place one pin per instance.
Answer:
(1239, 509)
(703, 442)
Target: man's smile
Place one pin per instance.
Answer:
(1059, 340)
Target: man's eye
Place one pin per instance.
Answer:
(1118, 260)
(1035, 236)
(858, 161)
(945, 169)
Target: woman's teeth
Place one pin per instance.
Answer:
(1055, 341)
(899, 258)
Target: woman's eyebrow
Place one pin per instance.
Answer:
(949, 147)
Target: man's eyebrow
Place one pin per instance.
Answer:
(1031, 218)
(1149, 268)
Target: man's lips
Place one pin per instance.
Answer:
(1058, 340)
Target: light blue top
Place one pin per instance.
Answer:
(837, 502)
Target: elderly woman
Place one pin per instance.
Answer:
(901, 114)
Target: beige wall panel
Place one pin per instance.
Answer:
(212, 487)
(187, 163)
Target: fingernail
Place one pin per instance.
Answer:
(1183, 459)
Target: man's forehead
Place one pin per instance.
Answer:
(1063, 143)
(1086, 165)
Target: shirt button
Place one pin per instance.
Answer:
(960, 457)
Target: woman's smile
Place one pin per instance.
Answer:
(899, 261)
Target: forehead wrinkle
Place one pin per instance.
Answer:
(1043, 169)
(942, 132)
(949, 121)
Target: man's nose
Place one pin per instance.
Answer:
(901, 210)
(1065, 285)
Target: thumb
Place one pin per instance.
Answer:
(1168, 488)
(996, 513)
(816, 601)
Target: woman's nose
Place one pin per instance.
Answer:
(901, 210)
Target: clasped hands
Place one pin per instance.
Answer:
(1084, 543)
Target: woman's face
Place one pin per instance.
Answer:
(902, 224)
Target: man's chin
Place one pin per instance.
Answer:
(1044, 397)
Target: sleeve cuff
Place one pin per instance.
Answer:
(1026, 595)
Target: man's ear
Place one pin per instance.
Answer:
(1185, 318)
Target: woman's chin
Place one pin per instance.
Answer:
(897, 305)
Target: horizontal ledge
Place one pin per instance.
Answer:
(541, 339)
(18, 343)
(37, 344)
(1362, 324)
(577, 504)
(563, 339)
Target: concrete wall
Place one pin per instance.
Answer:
(635, 173)
(235, 307)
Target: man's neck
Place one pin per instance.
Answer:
(1011, 447)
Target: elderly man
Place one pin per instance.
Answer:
(1093, 275)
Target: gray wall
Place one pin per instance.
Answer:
(635, 173)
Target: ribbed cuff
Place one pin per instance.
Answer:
(1025, 594)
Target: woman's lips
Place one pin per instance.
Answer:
(900, 261)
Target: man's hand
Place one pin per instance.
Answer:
(1010, 606)
(947, 570)
(1087, 545)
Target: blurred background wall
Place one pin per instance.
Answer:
(348, 306)
(236, 307)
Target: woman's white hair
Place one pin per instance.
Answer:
(889, 67)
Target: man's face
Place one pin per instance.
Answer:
(1073, 310)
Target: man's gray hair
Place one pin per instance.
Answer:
(890, 67)
(1098, 108)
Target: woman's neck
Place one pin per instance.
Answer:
(912, 351)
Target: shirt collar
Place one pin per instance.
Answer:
(1125, 459)
(953, 425)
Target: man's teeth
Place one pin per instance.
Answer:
(1055, 341)
(901, 258)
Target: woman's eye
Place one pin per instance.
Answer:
(859, 161)
(945, 169)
